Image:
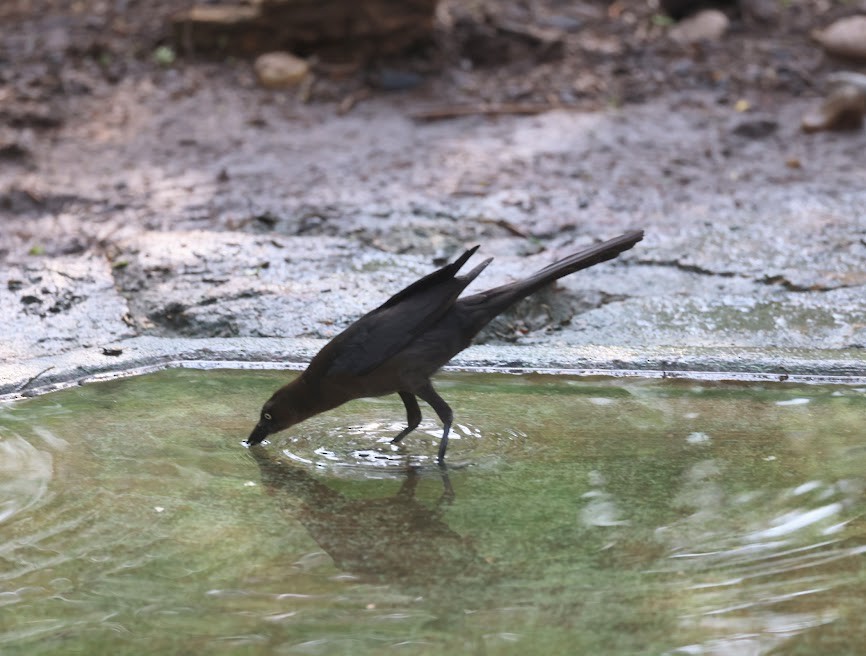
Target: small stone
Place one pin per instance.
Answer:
(706, 25)
(843, 110)
(756, 127)
(280, 70)
(844, 38)
(113, 352)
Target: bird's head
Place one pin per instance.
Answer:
(278, 413)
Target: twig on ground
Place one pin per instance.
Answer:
(27, 382)
(458, 111)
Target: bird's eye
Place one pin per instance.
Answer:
(267, 416)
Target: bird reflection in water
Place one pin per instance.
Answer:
(394, 540)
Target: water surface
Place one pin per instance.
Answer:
(576, 516)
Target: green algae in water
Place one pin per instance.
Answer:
(576, 516)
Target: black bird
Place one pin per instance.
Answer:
(398, 346)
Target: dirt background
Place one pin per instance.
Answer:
(145, 197)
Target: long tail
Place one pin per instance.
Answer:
(484, 306)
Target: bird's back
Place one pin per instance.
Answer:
(384, 332)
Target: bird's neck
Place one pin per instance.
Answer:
(308, 398)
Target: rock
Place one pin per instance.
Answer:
(706, 25)
(200, 283)
(844, 38)
(756, 127)
(843, 110)
(280, 70)
(52, 304)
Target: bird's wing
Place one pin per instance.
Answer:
(383, 332)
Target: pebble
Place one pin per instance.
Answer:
(844, 38)
(843, 110)
(756, 127)
(280, 70)
(706, 25)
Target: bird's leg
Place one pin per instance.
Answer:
(447, 491)
(410, 484)
(428, 394)
(413, 415)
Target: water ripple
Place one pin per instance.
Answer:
(368, 448)
(774, 577)
(25, 472)
(796, 520)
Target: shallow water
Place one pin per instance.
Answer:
(576, 516)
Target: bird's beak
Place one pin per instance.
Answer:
(259, 433)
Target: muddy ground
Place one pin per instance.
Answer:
(146, 204)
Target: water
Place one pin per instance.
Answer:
(579, 516)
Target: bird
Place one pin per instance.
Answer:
(398, 346)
